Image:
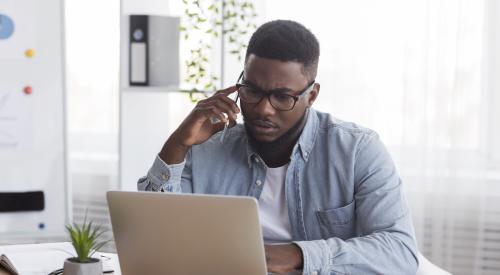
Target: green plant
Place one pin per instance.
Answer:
(208, 20)
(86, 239)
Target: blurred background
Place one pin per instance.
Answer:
(422, 73)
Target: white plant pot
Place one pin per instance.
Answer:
(73, 267)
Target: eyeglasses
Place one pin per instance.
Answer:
(280, 100)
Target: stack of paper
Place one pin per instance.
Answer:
(41, 259)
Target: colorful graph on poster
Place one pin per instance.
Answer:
(18, 28)
(18, 45)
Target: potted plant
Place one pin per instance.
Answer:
(86, 239)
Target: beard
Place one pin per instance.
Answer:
(288, 139)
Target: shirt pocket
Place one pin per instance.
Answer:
(338, 222)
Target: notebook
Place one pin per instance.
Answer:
(31, 259)
(6, 266)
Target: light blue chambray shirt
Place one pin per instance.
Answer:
(344, 197)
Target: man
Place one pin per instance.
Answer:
(327, 189)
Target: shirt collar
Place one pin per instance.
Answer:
(309, 134)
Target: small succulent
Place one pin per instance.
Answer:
(86, 239)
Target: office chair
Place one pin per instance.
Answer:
(425, 267)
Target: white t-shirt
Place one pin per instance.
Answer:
(273, 209)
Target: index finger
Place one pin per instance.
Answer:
(227, 91)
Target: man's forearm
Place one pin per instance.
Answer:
(173, 152)
(283, 258)
(377, 253)
(162, 177)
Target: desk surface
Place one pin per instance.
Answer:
(38, 259)
(41, 259)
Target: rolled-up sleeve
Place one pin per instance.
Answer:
(162, 177)
(386, 242)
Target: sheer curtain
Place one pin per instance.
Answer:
(415, 72)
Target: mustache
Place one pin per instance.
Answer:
(260, 122)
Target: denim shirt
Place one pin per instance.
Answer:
(345, 200)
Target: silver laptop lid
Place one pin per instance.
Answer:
(181, 234)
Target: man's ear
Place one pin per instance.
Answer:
(313, 95)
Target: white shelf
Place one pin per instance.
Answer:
(151, 89)
(159, 89)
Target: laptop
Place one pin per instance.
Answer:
(186, 234)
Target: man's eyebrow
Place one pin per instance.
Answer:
(281, 90)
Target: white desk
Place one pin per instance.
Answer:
(41, 259)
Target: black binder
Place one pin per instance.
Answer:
(138, 51)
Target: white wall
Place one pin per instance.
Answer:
(492, 81)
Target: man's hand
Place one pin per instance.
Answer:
(197, 127)
(283, 258)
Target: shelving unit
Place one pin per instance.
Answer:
(148, 114)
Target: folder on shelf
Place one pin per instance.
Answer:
(139, 50)
(153, 50)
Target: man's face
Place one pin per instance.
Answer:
(265, 123)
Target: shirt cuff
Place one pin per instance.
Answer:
(163, 177)
(316, 257)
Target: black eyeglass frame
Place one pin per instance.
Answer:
(268, 94)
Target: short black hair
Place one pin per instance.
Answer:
(286, 40)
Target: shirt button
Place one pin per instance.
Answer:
(256, 160)
(314, 273)
(165, 176)
(258, 182)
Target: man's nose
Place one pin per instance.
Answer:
(264, 107)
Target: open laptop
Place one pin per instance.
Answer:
(185, 234)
